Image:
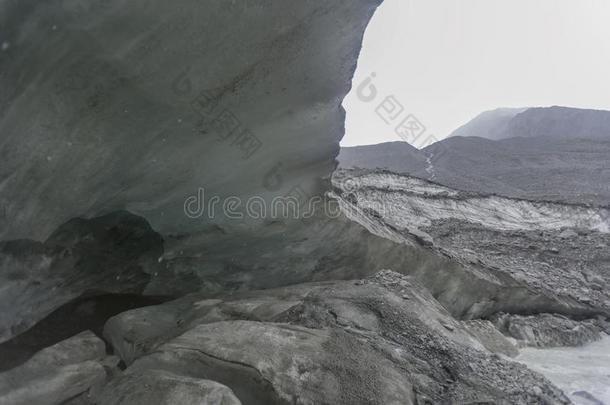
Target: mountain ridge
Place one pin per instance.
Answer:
(557, 121)
(544, 163)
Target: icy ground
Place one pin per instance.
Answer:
(583, 373)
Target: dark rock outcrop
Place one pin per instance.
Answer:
(115, 253)
(89, 312)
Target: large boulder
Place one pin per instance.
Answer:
(284, 364)
(163, 388)
(381, 340)
(57, 373)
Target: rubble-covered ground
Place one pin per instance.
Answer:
(572, 262)
(554, 250)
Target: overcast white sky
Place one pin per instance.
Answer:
(446, 61)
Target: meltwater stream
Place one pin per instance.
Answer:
(583, 373)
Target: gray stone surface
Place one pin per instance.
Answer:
(547, 330)
(56, 374)
(164, 388)
(381, 340)
(288, 364)
(491, 337)
(507, 248)
(111, 105)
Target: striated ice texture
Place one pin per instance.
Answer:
(135, 105)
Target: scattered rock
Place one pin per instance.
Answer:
(585, 299)
(594, 278)
(568, 234)
(448, 326)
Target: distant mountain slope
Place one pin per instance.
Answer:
(489, 124)
(566, 170)
(561, 122)
(557, 122)
(399, 157)
(560, 154)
